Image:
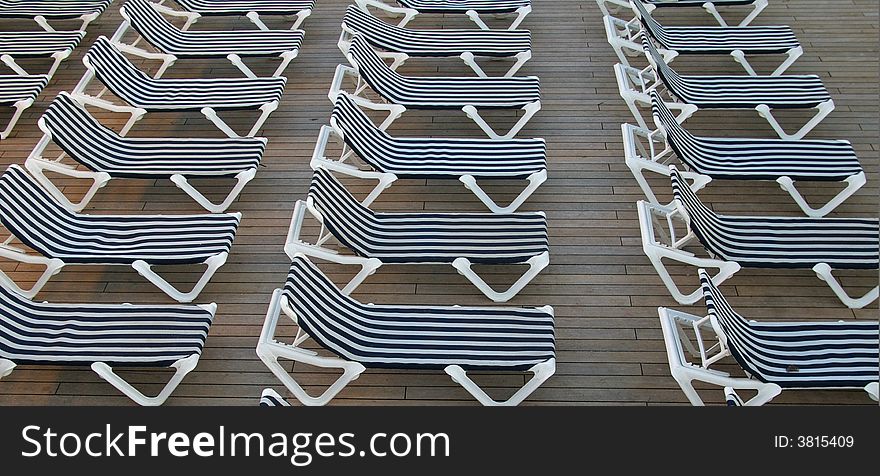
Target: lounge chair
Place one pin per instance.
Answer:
(458, 239)
(19, 92)
(709, 158)
(104, 336)
(455, 339)
(826, 355)
(270, 398)
(462, 93)
(711, 6)
(401, 43)
(466, 160)
(41, 11)
(64, 237)
(690, 93)
(148, 22)
(252, 9)
(106, 155)
(409, 9)
(37, 44)
(143, 93)
(733, 242)
(700, 40)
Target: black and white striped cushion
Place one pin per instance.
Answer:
(716, 91)
(696, 3)
(436, 43)
(413, 157)
(781, 242)
(14, 88)
(38, 43)
(160, 33)
(718, 39)
(440, 92)
(138, 89)
(51, 8)
(271, 399)
(40, 222)
(426, 237)
(379, 336)
(241, 7)
(100, 149)
(757, 159)
(79, 334)
(461, 6)
(798, 354)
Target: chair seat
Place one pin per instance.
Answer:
(425, 337)
(19, 88)
(752, 39)
(789, 91)
(241, 7)
(38, 43)
(59, 9)
(461, 6)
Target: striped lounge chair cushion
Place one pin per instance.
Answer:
(241, 7)
(80, 334)
(416, 336)
(270, 398)
(426, 237)
(786, 91)
(100, 149)
(440, 92)
(438, 43)
(38, 43)
(696, 3)
(461, 6)
(140, 90)
(781, 242)
(205, 44)
(59, 9)
(718, 39)
(40, 222)
(757, 159)
(14, 88)
(798, 354)
(435, 157)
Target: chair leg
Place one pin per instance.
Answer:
(300, 17)
(536, 264)
(823, 271)
(541, 372)
(872, 389)
(530, 110)
(6, 367)
(37, 166)
(760, 5)
(822, 110)
(475, 17)
(254, 17)
(19, 106)
(637, 165)
(238, 63)
(242, 178)
(793, 54)
(521, 59)
(214, 263)
(182, 367)
(368, 267)
(535, 181)
(853, 183)
(212, 116)
(53, 267)
(521, 14)
(286, 58)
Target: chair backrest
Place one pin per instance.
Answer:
(359, 132)
(77, 133)
(374, 71)
(650, 25)
(350, 222)
(114, 69)
(154, 27)
(29, 212)
(680, 139)
(666, 74)
(378, 32)
(702, 221)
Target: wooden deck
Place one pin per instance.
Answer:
(605, 292)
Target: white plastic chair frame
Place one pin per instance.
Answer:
(622, 36)
(181, 368)
(169, 59)
(651, 214)
(37, 165)
(254, 17)
(20, 107)
(635, 85)
(344, 43)
(270, 350)
(407, 14)
(386, 179)
(53, 266)
(137, 113)
(57, 58)
(343, 71)
(85, 19)
(757, 7)
(679, 346)
(642, 155)
(295, 245)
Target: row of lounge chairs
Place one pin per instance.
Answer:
(776, 355)
(39, 215)
(455, 339)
